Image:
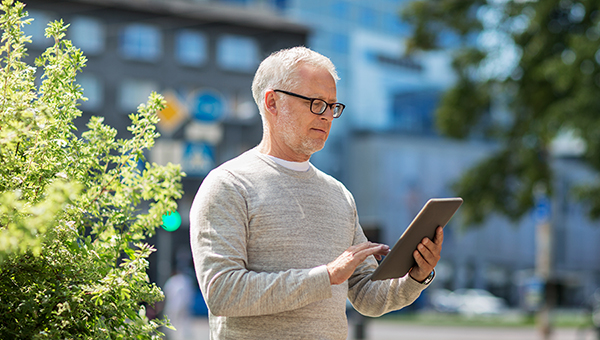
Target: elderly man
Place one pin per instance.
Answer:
(277, 244)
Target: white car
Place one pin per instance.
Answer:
(467, 302)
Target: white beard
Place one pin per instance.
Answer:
(300, 144)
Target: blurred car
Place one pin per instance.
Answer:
(443, 301)
(467, 302)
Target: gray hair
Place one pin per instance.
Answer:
(279, 71)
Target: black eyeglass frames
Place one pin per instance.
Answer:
(318, 106)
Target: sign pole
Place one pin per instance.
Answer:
(543, 262)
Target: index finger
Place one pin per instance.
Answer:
(375, 248)
(439, 236)
(362, 246)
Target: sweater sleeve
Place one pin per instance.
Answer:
(375, 298)
(218, 235)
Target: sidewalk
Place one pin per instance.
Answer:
(385, 330)
(378, 330)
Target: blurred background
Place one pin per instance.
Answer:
(386, 148)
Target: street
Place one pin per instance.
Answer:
(385, 330)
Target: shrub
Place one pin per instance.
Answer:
(74, 210)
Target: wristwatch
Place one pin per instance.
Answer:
(429, 278)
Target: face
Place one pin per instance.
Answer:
(299, 130)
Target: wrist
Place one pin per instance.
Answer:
(427, 279)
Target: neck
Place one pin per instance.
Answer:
(271, 148)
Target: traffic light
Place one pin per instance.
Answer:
(171, 221)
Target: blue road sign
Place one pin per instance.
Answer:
(207, 105)
(198, 159)
(542, 209)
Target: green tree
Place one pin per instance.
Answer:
(74, 210)
(539, 60)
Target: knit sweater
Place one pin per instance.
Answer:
(261, 236)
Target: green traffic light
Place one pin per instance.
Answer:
(171, 221)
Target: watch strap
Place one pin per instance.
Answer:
(429, 278)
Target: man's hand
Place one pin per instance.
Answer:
(342, 268)
(427, 256)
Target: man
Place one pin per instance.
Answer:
(277, 245)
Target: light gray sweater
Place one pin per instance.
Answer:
(261, 236)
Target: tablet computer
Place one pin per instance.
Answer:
(436, 212)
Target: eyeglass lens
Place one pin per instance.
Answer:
(319, 106)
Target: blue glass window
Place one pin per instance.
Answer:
(134, 92)
(340, 10)
(234, 2)
(141, 42)
(340, 43)
(394, 24)
(37, 27)
(237, 53)
(280, 5)
(88, 34)
(191, 48)
(92, 90)
(414, 111)
(368, 17)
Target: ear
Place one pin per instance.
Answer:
(270, 102)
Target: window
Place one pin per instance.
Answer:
(237, 53)
(191, 48)
(340, 10)
(368, 17)
(414, 111)
(280, 5)
(134, 92)
(235, 2)
(88, 34)
(340, 43)
(394, 25)
(141, 42)
(93, 90)
(37, 28)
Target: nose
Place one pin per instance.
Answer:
(328, 114)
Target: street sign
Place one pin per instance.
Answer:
(198, 159)
(207, 105)
(542, 209)
(173, 115)
(196, 131)
(533, 294)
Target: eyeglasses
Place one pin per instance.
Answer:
(318, 106)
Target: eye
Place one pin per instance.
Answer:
(319, 106)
